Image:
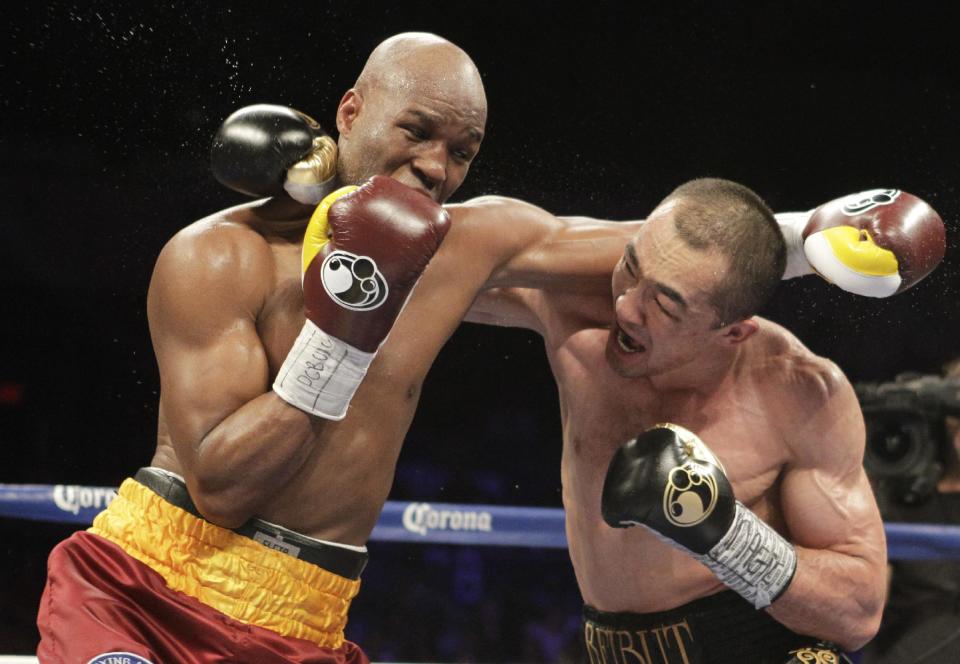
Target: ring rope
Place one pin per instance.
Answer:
(439, 523)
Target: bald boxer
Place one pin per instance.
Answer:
(739, 525)
(279, 432)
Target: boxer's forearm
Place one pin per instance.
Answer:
(240, 463)
(577, 256)
(791, 226)
(833, 596)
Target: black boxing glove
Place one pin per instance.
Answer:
(668, 480)
(265, 150)
(364, 251)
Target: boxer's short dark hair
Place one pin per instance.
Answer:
(712, 213)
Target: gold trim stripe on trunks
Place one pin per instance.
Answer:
(226, 571)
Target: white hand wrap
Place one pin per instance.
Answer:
(752, 559)
(792, 225)
(321, 373)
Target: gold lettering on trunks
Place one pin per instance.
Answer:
(623, 646)
(679, 638)
(658, 632)
(589, 632)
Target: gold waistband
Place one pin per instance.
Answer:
(233, 574)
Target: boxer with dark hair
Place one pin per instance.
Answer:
(703, 208)
(771, 510)
(292, 344)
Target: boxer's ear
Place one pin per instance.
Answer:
(348, 110)
(738, 332)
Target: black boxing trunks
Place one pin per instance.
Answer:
(719, 629)
(153, 582)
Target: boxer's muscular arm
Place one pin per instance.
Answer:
(234, 438)
(574, 254)
(528, 247)
(838, 589)
(508, 307)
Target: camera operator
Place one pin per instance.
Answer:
(913, 456)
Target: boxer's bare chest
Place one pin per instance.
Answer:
(602, 410)
(631, 569)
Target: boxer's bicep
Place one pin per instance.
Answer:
(568, 255)
(827, 511)
(201, 310)
(826, 498)
(523, 246)
(828, 508)
(204, 383)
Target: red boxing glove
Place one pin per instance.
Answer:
(382, 237)
(363, 252)
(875, 243)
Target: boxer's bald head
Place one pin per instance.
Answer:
(419, 62)
(416, 113)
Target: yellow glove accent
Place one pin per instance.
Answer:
(318, 233)
(857, 250)
(318, 166)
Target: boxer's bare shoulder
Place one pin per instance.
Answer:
(806, 393)
(215, 258)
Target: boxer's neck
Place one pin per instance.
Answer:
(283, 209)
(703, 376)
(281, 216)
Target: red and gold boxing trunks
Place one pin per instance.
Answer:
(152, 582)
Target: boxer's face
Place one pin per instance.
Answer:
(424, 135)
(663, 317)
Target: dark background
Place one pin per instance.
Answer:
(106, 115)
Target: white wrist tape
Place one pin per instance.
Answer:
(792, 225)
(752, 559)
(321, 373)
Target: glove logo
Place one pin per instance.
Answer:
(867, 200)
(690, 495)
(354, 282)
